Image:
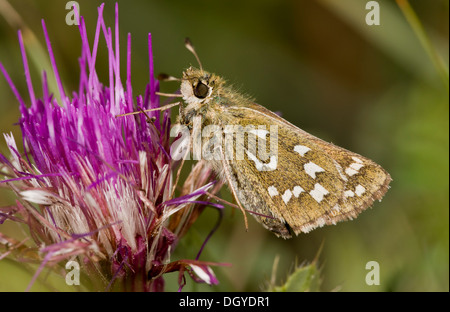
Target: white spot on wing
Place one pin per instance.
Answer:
(272, 191)
(349, 193)
(302, 150)
(318, 192)
(260, 166)
(357, 159)
(356, 166)
(286, 196)
(359, 190)
(350, 171)
(297, 190)
(311, 169)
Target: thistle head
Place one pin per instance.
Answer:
(98, 189)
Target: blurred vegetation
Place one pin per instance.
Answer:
(305, 278)
(371, 89)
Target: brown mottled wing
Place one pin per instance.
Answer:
(314, 183)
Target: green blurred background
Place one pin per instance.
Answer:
(370, 89)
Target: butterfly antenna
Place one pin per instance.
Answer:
(190, 47)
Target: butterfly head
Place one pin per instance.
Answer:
(199, 87)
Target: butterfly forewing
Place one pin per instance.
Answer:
(313, 182)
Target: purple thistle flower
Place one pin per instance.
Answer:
(97, 188)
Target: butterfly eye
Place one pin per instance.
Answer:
(201, 90)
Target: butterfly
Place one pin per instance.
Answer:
(290, 180)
